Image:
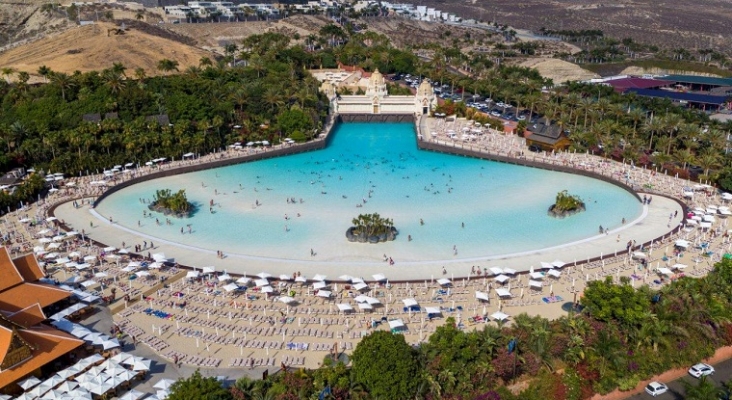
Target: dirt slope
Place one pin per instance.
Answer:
(559, 71)
(89, 48)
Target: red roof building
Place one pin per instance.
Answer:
(26, 345)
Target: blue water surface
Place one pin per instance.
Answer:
(478, 207)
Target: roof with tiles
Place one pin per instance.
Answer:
(29, 268)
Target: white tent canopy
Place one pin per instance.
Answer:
(501, 278)
(324, 293)
(536, 275)
(496, 270)
(231, 287)
(410, 302)
(396, 324)
(503, 292)
(665, 271)
(344, 307)
(444, 281)
(482, 296)
(499, 316)
(536, 284)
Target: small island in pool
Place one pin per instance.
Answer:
(371, 228)
(169, 203)
(566, 205)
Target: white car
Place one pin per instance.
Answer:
(656, 388)
(701, 369)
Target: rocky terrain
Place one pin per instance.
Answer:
(666, 23)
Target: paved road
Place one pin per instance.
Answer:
(723, 372)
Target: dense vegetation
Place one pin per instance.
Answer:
(270, 98)
(372, 224)
(171, 203)
(566, 203)
(26, 192)
(622, 336)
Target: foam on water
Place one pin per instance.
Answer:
(504, 207)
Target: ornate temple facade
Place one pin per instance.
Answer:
(376, 99)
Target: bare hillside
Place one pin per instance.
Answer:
(24, 22)
(216, 35)
(666, 23)
(91, 47)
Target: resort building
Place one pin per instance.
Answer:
(375, 98)
(27, 345)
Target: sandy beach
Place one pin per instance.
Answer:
(199, 319)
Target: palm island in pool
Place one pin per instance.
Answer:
(453, 208)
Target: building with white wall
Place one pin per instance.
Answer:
(377, 100)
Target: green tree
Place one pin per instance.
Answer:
(704, 389)
(196, 387)
(386, 365)
(167, 65)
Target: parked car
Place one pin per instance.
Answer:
(656, 388)
(701, 369)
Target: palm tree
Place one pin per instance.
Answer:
(654, 126)
(703, 390)
(684, 157)
(204, 62)
(708, 159)
(44, 71)
(167, 65)
(114, 81)
(140, 73)
(63, 81)
(7, 71)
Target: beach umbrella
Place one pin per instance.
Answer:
(67, 386)
(319, 277)
(67, 373)
(127, 375)
(141, 364)
(99, 388)
(26, 396)
(284, 277)
(301, 279)
(243, 280)
(379, 277)
(115, 380)
(208, 270)
(164, 384)
(261, 282)
(80, 394)
(29, 383)
(54, 381)
(110, 344)
(53, 395)
(132, 395)
(264, 275)
(499, 316)
(122, 358)
(224, 277)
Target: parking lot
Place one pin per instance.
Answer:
(486, 105)
(723, 372)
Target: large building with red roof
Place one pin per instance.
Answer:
(26, 344)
